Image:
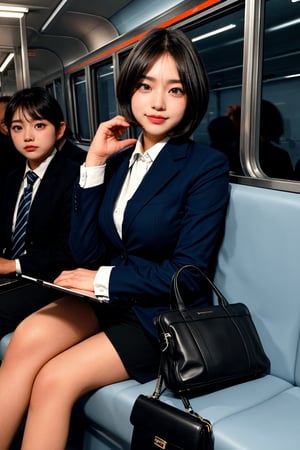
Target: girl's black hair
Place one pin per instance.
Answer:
(37, 103)
(190, 68)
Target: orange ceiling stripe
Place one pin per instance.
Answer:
(190, 12)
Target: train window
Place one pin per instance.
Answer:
(56, 90)
(279, 155)
(220, 44)
(59, 95)
(105, 91)
(123, 56)
(50, 89)
(82, 128)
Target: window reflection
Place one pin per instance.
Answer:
(281, 89)
(106, 104)
(80, 103)
(220, 44)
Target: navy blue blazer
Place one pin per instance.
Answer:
(175, 217)
(48, 227)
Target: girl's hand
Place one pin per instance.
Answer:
(7, 266)
(107, 141)
(78, 279)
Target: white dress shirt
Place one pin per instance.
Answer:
(139, 164)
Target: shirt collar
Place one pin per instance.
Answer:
(41, 169)
(151, 153)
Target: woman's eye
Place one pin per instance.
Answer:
(177, 91)
(16, 128)
(40, 125)
(144, 86)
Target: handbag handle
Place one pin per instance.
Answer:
(186, 403)
(180, 303)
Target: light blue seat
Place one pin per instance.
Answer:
(3, 344)
(258, 264)
(111, 407)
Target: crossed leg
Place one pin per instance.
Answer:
(56, 355)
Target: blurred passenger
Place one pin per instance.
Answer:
(274, 160)
(139, 214)
(223, 137)
(70, 148)
(4, 99)
(35, 244)
(9, 156)
(234, 114)
(297, 171)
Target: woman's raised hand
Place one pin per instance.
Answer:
(107, 141)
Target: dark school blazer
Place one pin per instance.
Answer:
(48, 226)
(175, 217)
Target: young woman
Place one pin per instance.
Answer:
(138, 215)
(35, 244)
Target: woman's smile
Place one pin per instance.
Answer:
(156, 119)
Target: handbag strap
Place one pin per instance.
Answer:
(176, 292)
(186, 403)
(159, 382)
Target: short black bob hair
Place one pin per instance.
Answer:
(191, 71)
(37, 103)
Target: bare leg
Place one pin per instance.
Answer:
(37, 339)
(90, 364)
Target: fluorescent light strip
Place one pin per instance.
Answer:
(13, 12)
(284, 25)
(11, 15)
(212, 33)
(295, 75)
(16, 9)
(6, 62)
(53, 15)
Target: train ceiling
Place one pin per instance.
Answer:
(83, 26)
(79, 28)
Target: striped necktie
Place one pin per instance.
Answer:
(18, 240)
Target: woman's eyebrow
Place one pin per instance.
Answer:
(147, 77)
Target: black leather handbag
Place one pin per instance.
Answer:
(208, 348)
(158, 425)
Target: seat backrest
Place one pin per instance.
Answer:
(258, 264)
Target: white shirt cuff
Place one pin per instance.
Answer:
(91, 176)
(18, 266)
(101, 282)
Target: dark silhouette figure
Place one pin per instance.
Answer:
(10, 158)
(223, 137)
(274, 161)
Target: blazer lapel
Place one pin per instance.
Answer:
(113, 189)
(165, 167)
(12, 194)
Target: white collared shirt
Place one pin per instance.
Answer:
(93, 176)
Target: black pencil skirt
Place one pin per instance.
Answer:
(138, 349)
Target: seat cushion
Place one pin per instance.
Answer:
(272, 424)
(3, 344)
(109, 408)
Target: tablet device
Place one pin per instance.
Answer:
(8, 283)
(5, 281)
(48, 284)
